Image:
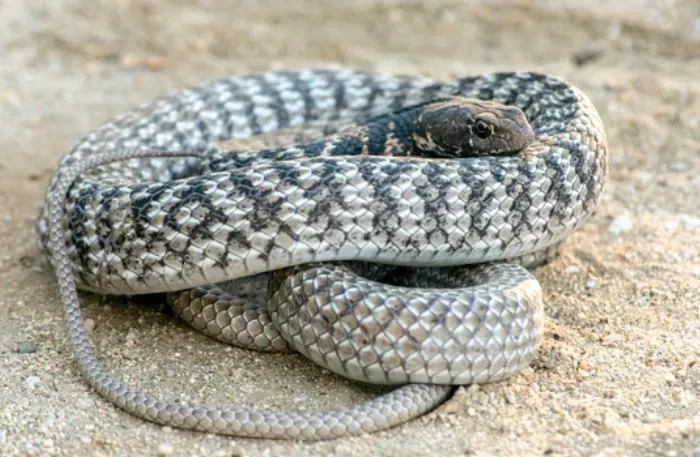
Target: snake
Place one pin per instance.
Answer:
(395, 245)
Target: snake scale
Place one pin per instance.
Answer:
(410, 271)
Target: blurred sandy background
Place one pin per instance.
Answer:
(619, 370)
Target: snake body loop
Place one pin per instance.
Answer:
(393, 270)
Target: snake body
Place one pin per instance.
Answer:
(394, 270)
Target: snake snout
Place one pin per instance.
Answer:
(517, 130)
(524, 137)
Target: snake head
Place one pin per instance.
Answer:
(468, 127)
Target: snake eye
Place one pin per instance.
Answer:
(482, 129)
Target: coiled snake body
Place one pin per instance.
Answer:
(394, 270)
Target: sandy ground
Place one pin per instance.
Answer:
(619, 370)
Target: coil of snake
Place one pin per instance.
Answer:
(390, 242)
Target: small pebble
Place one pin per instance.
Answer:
(651, 418)
(691, 221)
(89, 325)
(165, 449)
(451, 407)
(671, 225)
(26, 348)
(571, 269)
(590, 284)
(679, 166)
(620, 224)
(613, 338)
(33, 382)
(84, 404)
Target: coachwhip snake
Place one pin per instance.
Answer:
(393, 270)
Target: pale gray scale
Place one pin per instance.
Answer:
(357, 97)
(368, 362)
(294, 104)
